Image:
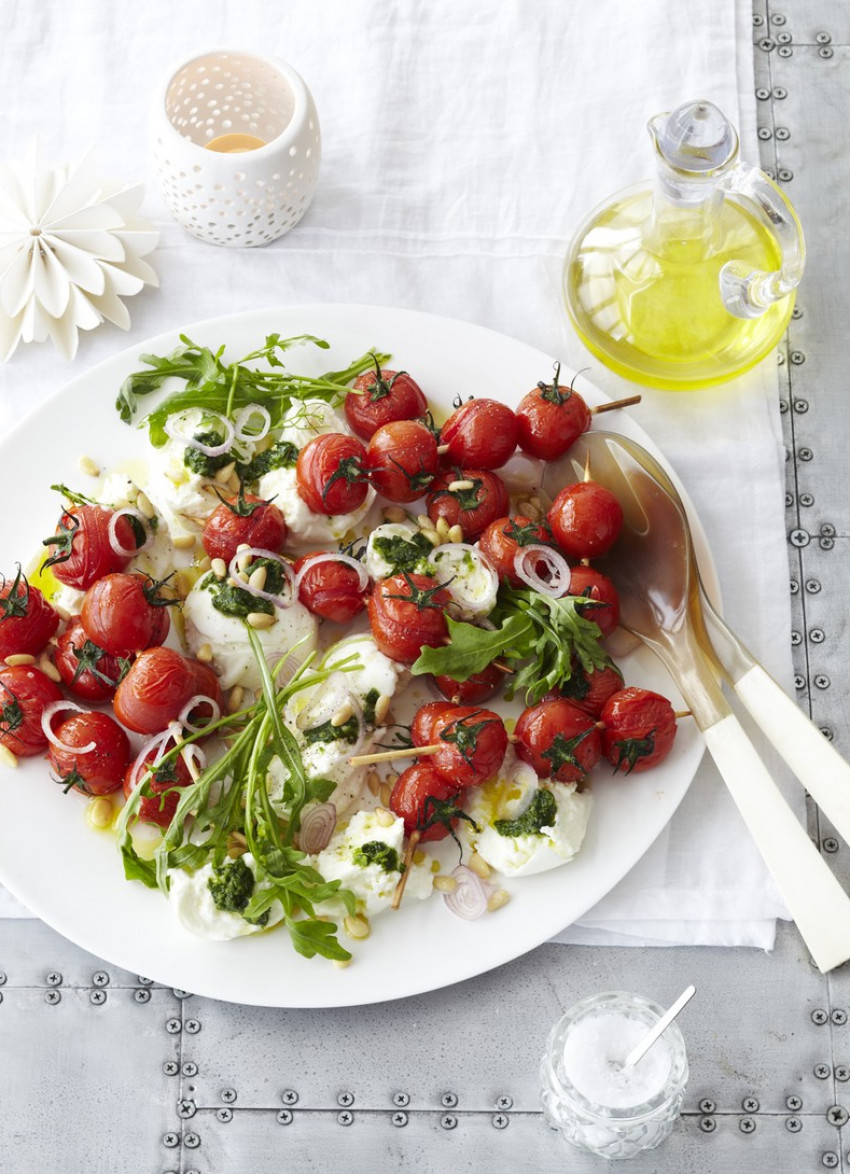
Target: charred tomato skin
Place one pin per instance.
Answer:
(155, 690)
(472, 742)
(559, 740)
(640, 728)
(99, 771)
(402, 460)
(402, 624)
(118, 615)
(330, 474)
(84, 530)
(329, 589)
(25, 693)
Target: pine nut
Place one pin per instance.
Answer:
(498, 900)
(382, 708)
(456, 533)
(259, 619)
(479, 866)
(49, 668)
(391, 778)
(144, 505)
(357, 926)
(345, 711)
(257, 578)
(237, 845)
(88, 466)
(395, 513)
(373, 782)
(99, 813)
(222, 475)
(7, 758)
(419, 857)
(242, 547)
(432, 536)
(444, 884)
(442, 528)
(203, 564)
(423, 522)
(385, 791)
(435, 866)
(535, 503)
(458, 486)
(243, 561)
(183, 542)
(234, 699)
(205, 654)
(62, 612)
(532, 513)
(241, 578)
(384, 818)
(18, 658)
(342, 963)
(218, 567)
(233, 483)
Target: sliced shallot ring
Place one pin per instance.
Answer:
(193, 753)
(244, 416)
(469, 899)
(287, 597)
(157, 742)
(317, 827)
(112, 531)
(172, 427)
(454, 587)
(557, 566)
(330, 557)
(193, 703)
(46, 718)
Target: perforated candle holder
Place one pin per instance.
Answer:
(236, 147)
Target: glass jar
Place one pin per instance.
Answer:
(608, 1114)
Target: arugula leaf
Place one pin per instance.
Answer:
(472, 648)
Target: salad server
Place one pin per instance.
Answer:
(654, 570)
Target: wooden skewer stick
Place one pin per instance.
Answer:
(408, 860)
(678, 714)
(390, 755)
(616, 403)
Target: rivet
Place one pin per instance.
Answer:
(401, 1100)
(842, 1072)
(780, 358)
(819, 1016)
(1, 997)
(54, 978)
(826, 543)
(345, 1118)
(52, 997)
(448, 1100)
(784, 38)
(837, 1116)
(193, 1026)
(801, 406)
(178, 994)
(817, 636)
(144, 981)
(799, 537)
(100, 978)
(794, 587)
(796, 639)
(762, 94)
(807, 499)
(793, 1124)
(797, 357)
(142, 996)
(821, 1071)
(826, 52)
(785, 175)
(345, 1099)
(805, 454)
(799, 681)
(839, 1016)
(173, 1026)
(504, 1102)
(708, 1124)
(284, 1117)
(823, 38)
(185, 1109)
(399, 1120)
(765, 133)
(707, 1106)
(3, 978)
(224, 1115)
(830, 844)
(813, 586)
(796, 313)
(191, 1141)
(747, 1125)
(827, 733)
(828, 530)
(228, 1095)
(794, 1103)
(829, 1159)
(499, 1120)
(779, 92)
(789, 500)
(190, 1068)
(750, 1105)
(171, 1068)
(758, 20)
(448, 1121)
(785, 51)
(783, 134)
(289, 1096)
(98, 998)
(766, 44)
(777, 18)
(170, 1140)
(822, 681)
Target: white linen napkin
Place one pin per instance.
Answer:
(462, 144)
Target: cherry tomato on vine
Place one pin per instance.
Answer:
(331, 474)
(86, 669)
(589, 691)
(82, 549)
(585, 519)
(165, 784)
(27, 621)
(425, 801)
(422, 726)
(328, 588)
(402, 460)
(469, 498)
(247, 520)
(155, 690)
(479, 687)
(640, 728)
(550, 419)
(407, 612)
(482, 434)
(504, 537)
(125, 613)
(100, 770)
(600, 591)
(25, 693)
(473, 744)
(559, 740)
(380, 397)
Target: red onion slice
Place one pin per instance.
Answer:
(289, 592)
(173, 429)
(448, 559)
(115, 542)
(46, 718)
(331, 557)
(193, 703)
(525, 565)
(240, 429)
(469, 899)
(317, 827)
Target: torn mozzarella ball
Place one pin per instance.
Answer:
(305, 527)
(192, 901)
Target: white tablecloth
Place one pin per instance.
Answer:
(462, 144)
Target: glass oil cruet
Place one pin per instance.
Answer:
(690, 281)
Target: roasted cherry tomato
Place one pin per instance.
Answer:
(559, 740)
(425, 801)
(402, 460)
(479, 687)
(164, 784)
(589, 691)
(155, 690)
(422, 726)
(98, 771)
(481, 434)
(125, 613)
(604, 606)
(329, 589)
(27, 621)
(640, 728)
(82, 548)
(206, 685)
(243, 520)
(380, 397)
(408, 612)
(585, 519)
(86, 669)
(504, 537)
(469, 498)
(331, 474)
(472, 745)
(550, 419)
(25, 693)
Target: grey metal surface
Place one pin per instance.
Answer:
(169, 1082)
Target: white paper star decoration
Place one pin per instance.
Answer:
(71, 247)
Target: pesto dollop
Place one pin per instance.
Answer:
(347, 732)
(541, 813)
(199, 462)
(282, 455)
(238, 603)
(403, 554)
(231, 886)
(377, 852)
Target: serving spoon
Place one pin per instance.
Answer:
(654, 569)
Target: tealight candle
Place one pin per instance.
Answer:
(597, 1101)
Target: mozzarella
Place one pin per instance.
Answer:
(305, 527)
(376, 670)
(192, 902)
(304, 421)
(375, 563)
(469, 577)
(322, 760)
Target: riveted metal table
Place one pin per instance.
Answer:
(172, 1082)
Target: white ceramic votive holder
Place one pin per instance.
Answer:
(236, 194)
